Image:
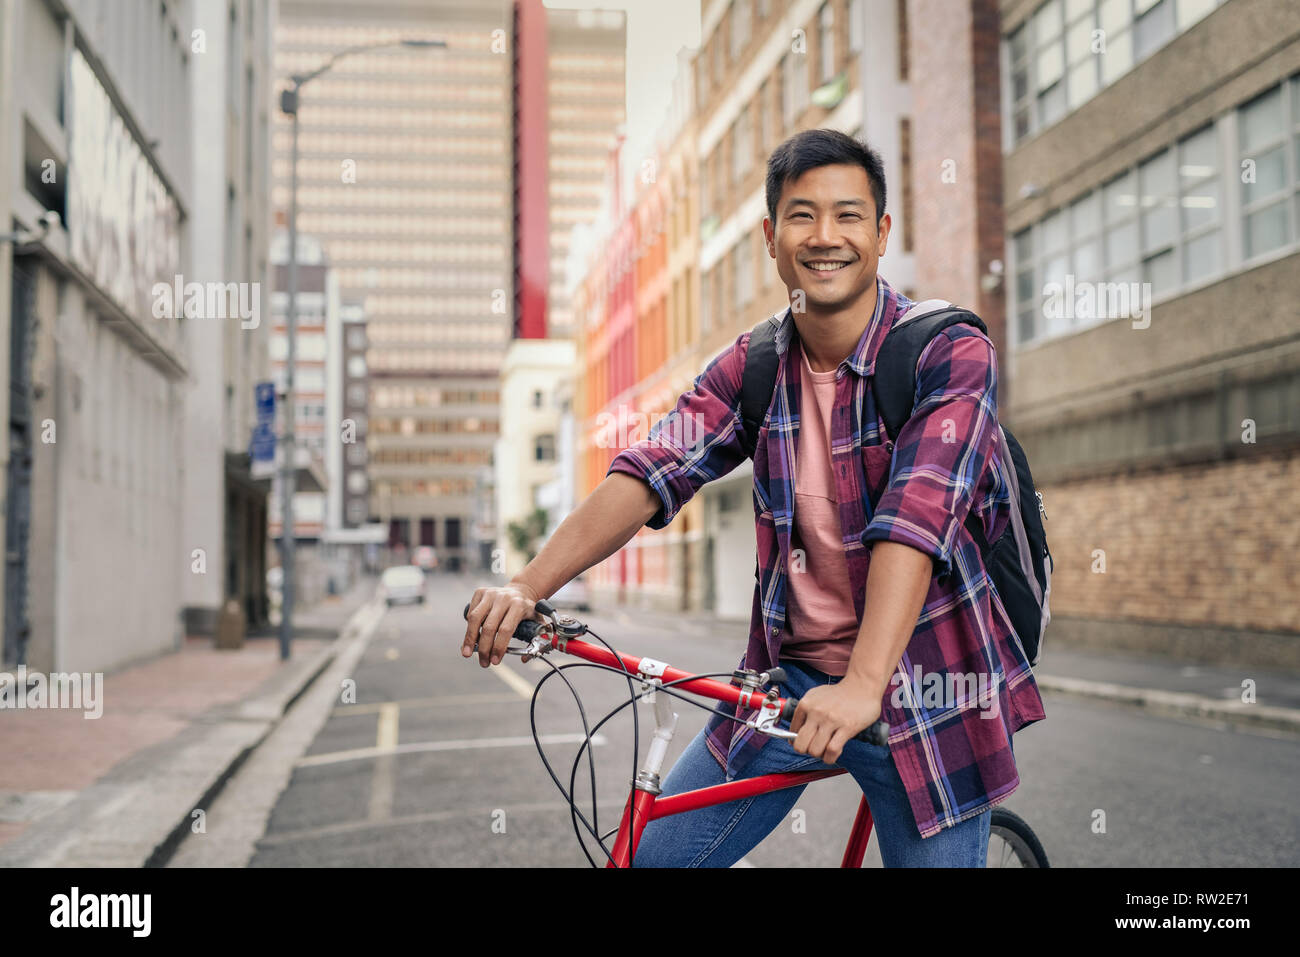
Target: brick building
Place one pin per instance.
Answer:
(1163, 430)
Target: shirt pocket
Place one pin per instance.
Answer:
(876, 462)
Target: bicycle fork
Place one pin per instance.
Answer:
(645, 787)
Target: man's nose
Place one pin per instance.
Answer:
(827, 232)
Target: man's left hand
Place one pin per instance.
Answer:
(828, 716)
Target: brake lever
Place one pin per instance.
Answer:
(769, 713)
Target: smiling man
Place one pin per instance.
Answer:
(867, 566)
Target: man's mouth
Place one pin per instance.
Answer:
(826, 265)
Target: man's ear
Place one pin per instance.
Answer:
(769, 237)
(882, 234)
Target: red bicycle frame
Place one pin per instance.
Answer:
(644, 803)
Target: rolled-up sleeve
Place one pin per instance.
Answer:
(697, 442)
(943, 450)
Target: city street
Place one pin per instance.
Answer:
(433, 765)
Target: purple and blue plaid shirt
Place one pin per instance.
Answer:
(963, 685)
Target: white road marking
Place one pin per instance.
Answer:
(383, 778)
(455, 701)
(463, 744)
(519, 685)
(386, 738)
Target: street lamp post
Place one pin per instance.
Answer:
(289, 100)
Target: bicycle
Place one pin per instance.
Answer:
(654, 682)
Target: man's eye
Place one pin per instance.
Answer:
(851, 216)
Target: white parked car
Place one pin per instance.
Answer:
(573, 594)
(402, 583)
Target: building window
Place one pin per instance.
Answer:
(1267, 182)
(1153, 26)
(1155, 230)
(826, 43)
(739, 28)
(764, 118)
(538, 399)
(357, 367)
(1069, 49)
(794, 88)
(857, 26)
(1200, 202)
(742, 147)
(706, 301)
(743, 272)
(356, 338)
(544, 448)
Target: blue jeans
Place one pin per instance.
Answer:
(719, 836)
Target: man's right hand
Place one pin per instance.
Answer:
(494, 614)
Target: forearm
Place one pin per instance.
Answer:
(897, 581)
(603, 523)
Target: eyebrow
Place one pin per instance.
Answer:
(800, 201)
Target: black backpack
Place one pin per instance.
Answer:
(1019, 562)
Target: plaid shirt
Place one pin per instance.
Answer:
(950, 739)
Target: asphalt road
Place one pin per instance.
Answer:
(434, 765)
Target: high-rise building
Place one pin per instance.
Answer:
(354, 485)
(405, 179)
(1152, 191)
(586, 85)
(569, 96)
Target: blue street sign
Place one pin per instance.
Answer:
(265, 397)
(262, 446)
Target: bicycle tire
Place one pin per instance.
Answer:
(1018, 837)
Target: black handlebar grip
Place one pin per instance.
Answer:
(544, 607)
(878, 733)
(526, 630)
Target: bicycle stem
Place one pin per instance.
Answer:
(647, 779)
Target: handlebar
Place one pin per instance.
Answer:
(527, 630)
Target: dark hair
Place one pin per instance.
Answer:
(813, 148)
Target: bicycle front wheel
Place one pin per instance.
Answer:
(1012, 843)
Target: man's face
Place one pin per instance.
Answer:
(825, 240)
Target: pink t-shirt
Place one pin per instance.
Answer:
(821, 624)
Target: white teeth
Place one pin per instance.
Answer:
(826, 267)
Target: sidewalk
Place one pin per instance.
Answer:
(1159, 685)
(119, 790)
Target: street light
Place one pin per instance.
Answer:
(289, 105)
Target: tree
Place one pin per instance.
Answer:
(526, 536)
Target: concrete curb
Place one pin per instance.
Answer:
(137, 814)
(238, 817)
(1177, 704)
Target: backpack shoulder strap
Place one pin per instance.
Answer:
(758, 381)
(894, 379)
